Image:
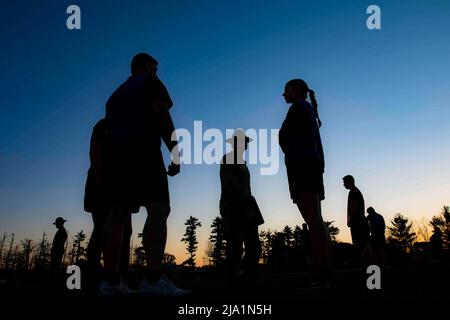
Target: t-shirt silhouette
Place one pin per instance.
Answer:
(355, 208)
(299, 138)
(129, 115)
(377, 225)
(135, 168)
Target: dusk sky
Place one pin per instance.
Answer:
(383, 99)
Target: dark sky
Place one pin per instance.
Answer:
(383, 98)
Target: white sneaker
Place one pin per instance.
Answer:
(163, 287)
(120, 289)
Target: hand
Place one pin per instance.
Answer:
(173, 169)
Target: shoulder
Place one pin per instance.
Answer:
(99, 127)
(158, 91)
(300, 110)
(99, 131)
(155, 84)
(355, 194)
(303, 107)
(358, 192)
(117, 94)
(227, 159)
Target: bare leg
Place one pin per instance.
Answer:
(154, 240)
(112, 238)
(234, 251)
(94, 249)
(309, 206)
(125, 254)
(155, 234)
(252, 249)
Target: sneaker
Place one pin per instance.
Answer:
(120, 289)
(163, 287)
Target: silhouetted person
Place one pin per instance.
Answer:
(239, 211)
(356, 219)
(300, 141)
(279, 261)
(137, 118)
(96, 202)
(436, 244)
(58, 245)
(305, 238)
(377, 236)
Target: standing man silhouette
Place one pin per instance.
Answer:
(137, 118)
(300, 141)
(59, 241)
(239, 211)
(356, 219)
(377, 236)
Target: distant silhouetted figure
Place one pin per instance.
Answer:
(356, 219)
(306, 245)
(58, 245)
(239, 210)
(377, 236)
(137, 118)
(436, 244)
(300, 141)
(96, 202)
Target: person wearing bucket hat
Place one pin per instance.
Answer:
(240, 135)
(59, 221)
(59, 241)
(239, 210)
(300, 141)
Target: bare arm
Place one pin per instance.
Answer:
(167, 132)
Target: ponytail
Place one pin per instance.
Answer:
(304, 91)
(312, 98)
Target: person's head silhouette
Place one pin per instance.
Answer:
(437, 231)
(59, 222)
(239, 141)
(349, 182)
(370, 210)
(297, 90)
(143, 63)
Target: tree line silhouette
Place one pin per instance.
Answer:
(282, 251)
(28, 254)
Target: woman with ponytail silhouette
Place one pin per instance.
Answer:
(300, 141)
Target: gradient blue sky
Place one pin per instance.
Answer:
(383, 98)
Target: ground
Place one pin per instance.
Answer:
(411, 286)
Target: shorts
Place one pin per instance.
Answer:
(301, 180)
(136, 178)
(96, 198)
